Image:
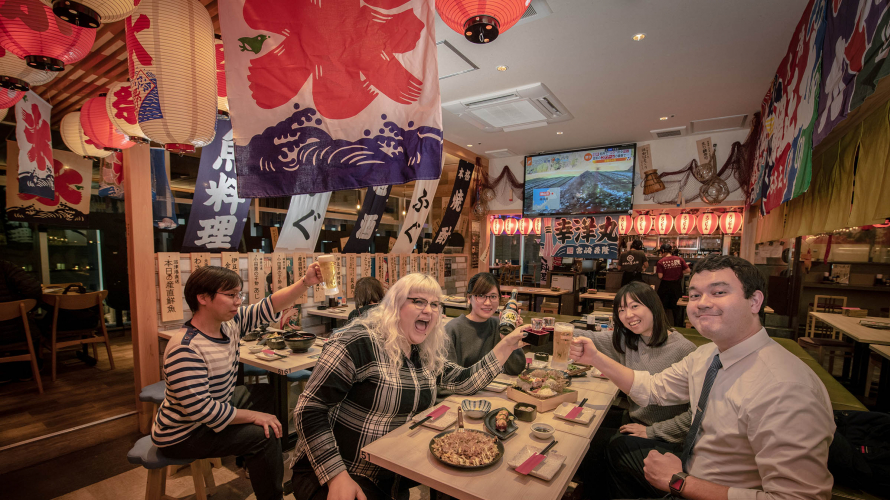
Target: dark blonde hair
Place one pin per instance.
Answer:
(368, 290)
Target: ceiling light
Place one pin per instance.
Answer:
(469, 145)
(502, 68)
(663, 118)
(639, 36)
(559, 133)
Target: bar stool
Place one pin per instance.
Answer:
(146, 454)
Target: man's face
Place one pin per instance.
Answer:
(223, 306)
(718, 307)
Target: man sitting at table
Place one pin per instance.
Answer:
(763, 419)
(204, 415)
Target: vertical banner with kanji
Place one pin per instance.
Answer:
(231, 261)
(392, 274)
(218, 214)
(279, 271)
(70, 203)
(474, 244)
(382, 268)
(35, 172)
(455, 205)
(369, 218)
(257, 279)
(350, 275)
(424, 263)
(170, 286)
(366, 265)
(163, 207)
(199, 259)
(416, 214)
(303, 222)
(405, 265)
(338, 266)
(440, 268)
(332, 95)
(585, 238)
(299, 272)
(415, 263)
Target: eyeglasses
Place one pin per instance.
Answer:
(421, 304)
(242, 296)
(487, 298)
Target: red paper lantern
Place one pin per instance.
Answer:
(98, 127)
(625, 223)
(30, 30)
(731, 222)
(497, 226)
(664, 223)
(8, 97)
(643, 224)
(481, 21)
(685, 223)
(537, 225)
(707, 222)
(511, 225)
(526, 226)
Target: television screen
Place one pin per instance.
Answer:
(585, 182)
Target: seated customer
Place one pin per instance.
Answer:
(368, 293)
(204, 415)
(383, 369)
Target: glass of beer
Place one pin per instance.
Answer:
(562, 338)
(329, 273)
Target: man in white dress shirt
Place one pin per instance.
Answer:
(763, 420)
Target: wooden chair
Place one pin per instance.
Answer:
(824, 303)
(510, 275)
(874, 361)
(527, 280)
(85, 336)
(833, 347)
(62, 285)
(19, 309)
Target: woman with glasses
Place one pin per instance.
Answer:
(372, 377)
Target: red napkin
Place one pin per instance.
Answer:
(574, 413)
(530, 463)
(438, 412)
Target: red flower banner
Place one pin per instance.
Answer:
(35, 172)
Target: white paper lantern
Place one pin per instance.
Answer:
(173, 61)
(3, 113)
(15, 74)
(76, 140)
(121, 111)
(222, 100)
(89, 13)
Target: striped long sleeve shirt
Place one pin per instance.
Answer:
(200, 372)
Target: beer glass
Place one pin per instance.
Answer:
(328, 266)
(562, 338)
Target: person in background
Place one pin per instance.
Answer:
(368, 293)
(671, 269)
(633, 262)
(204, 415)
(17, 285)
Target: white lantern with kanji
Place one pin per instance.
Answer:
(625, 223)
(643, 224)
(77, 141)
(511, 225)
(731, 222)
(497, 226)
(707, 222)
(119, 106)
(537, 225)
(685, 223)
(664, 223)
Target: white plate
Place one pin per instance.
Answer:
(283, 352)
(545, 470)
(266, 357)
(585, 417)
(496, 388)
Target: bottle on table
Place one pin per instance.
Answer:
(510, 315)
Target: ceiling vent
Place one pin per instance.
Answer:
(536, 10)
(668, 132)
(501, 153)
(718, 124)
(451, 61)
(525, 107)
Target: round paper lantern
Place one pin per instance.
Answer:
(120, 110)
(174, 85)
(731, 222)
(511, 225)
(98, 127)
(16, 75)
(9, 97)
(527, 226)
(497, 226)
(707, 222)
(643, 224)
(89, 13)
(76, 140)
(685, 223)
(664, 223)
(222, 101)
(625, 223)
(537, 225)
(481, 21)
(30, 30)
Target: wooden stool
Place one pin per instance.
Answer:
(146, 454)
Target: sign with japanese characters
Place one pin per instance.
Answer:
(70, 205)
(199, 259)
(368, 219)
(416, 214)
(279, 271)
(441, 274)
(350, 275)
(32, 116)
(393, 273)
(703, 146)
(581, 238)
(170, 286)
(404, 265)
(475, 238)
(338, 268)
(415, 263)
(303, 222)
(645, 155)
(366, 265)
(382, 268)
(459, 194)
(218, 214)
(299, 273)
(231, 261)
(257, 279)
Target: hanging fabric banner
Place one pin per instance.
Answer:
(69, 205)
(369, 218)
(370, 116)
(303, 222)
(111, 176)
(218, 214)
(585, 238)
(163, 205)
(421, 203)
(455, 206)
(32, 117)
(783, 162)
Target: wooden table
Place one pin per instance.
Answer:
(545, 292)
(454, 304)
(332, 313)
(884, 389)
(862, 337)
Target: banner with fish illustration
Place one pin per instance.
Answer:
(421, 203)
(783, 162)
(303, 222)
(68, 205)
(368, 220)
(332, 95)
(111, 176)
(218, 214)
(32, 116)
(459, 194)
(162, 202)
(581, 238)
(854, 58)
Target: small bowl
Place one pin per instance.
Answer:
(475, 409)
(542, 356)
(526, 415)
(542, 431)
(276, 344)
(250, 336)
(255, 348)
(299, 341)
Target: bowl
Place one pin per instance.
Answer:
(276, 344)
(526, 412)
(251, 335)
(299, 341)
(255, 348)
(475, 409)
(542, 431)
(542, 356)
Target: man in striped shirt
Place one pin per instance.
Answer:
(204, 415)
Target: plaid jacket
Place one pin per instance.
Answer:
(354, 398)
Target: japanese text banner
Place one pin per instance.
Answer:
(421, 203)
(303, 222)
(583, 238)
(368, 219)
(332, 95)
(35, 146)
(111, 176)
(455, 206)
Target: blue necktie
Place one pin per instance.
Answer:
(692, 436)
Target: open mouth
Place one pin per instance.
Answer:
(421, 325)
(634, 323)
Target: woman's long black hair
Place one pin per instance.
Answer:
(644, 294)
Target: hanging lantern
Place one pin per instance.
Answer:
(664, 223)
(30, 30)
(685, 223)
(651, 182)
(643, 224)
(120, 110)
(222, 102)
(731, 222)
(8, 97)
(537, 225)
(98, 127)
(174, 87)
(511, 225)
(76, 140)
(481, 21)
(625, 223)
(89, 13)
(527, 226)
(16, 75)
(497, 226)
(707, 222)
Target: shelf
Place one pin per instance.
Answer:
(848, 287)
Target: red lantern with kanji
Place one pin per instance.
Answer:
(685, 223)
(527, 226)
(481, 21)
(731, 222)
(625, 223)
(707, 222)
(30, 30)
(643, 224)
(511, 225)
(664, 223)
(497, 226)
(98, 127)
(537, 225)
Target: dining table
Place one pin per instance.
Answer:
(862, 337)
(534, 292)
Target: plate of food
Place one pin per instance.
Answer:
(577, 370)
(466, 448)
(543, 383)
(500, 422)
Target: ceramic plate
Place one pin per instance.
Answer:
(497, 443)
(443, 422)
(545, 470)
(489, 421)
(585, 417)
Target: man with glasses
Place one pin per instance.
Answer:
(204, 415)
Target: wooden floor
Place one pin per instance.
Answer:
(81, 394)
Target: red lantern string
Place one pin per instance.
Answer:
(685, 223)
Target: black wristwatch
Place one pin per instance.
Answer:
(677, 483)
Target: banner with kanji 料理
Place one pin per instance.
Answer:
(368, 220)
(459, 194)
(32, 116)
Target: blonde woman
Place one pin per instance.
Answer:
(373, 377)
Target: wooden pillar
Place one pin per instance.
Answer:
(141, 269)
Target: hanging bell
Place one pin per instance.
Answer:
(651, 182)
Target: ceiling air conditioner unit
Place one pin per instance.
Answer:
(521, 108)
(668, 132)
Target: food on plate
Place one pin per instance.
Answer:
(466, 448)
(501, 420)
(525, 408)
(574, 370)
(542, 383)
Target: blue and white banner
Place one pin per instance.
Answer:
(305, 217)
(459, 194)
(368, 219)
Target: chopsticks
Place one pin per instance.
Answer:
(432, 416)
(500, 382)
(574, 412)
(533, 461)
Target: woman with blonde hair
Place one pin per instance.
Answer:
(373, 377)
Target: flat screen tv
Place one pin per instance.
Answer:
(582, 182)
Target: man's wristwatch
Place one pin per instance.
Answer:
(678, 482)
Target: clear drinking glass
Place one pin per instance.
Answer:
(562, 339)
(329, 273)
